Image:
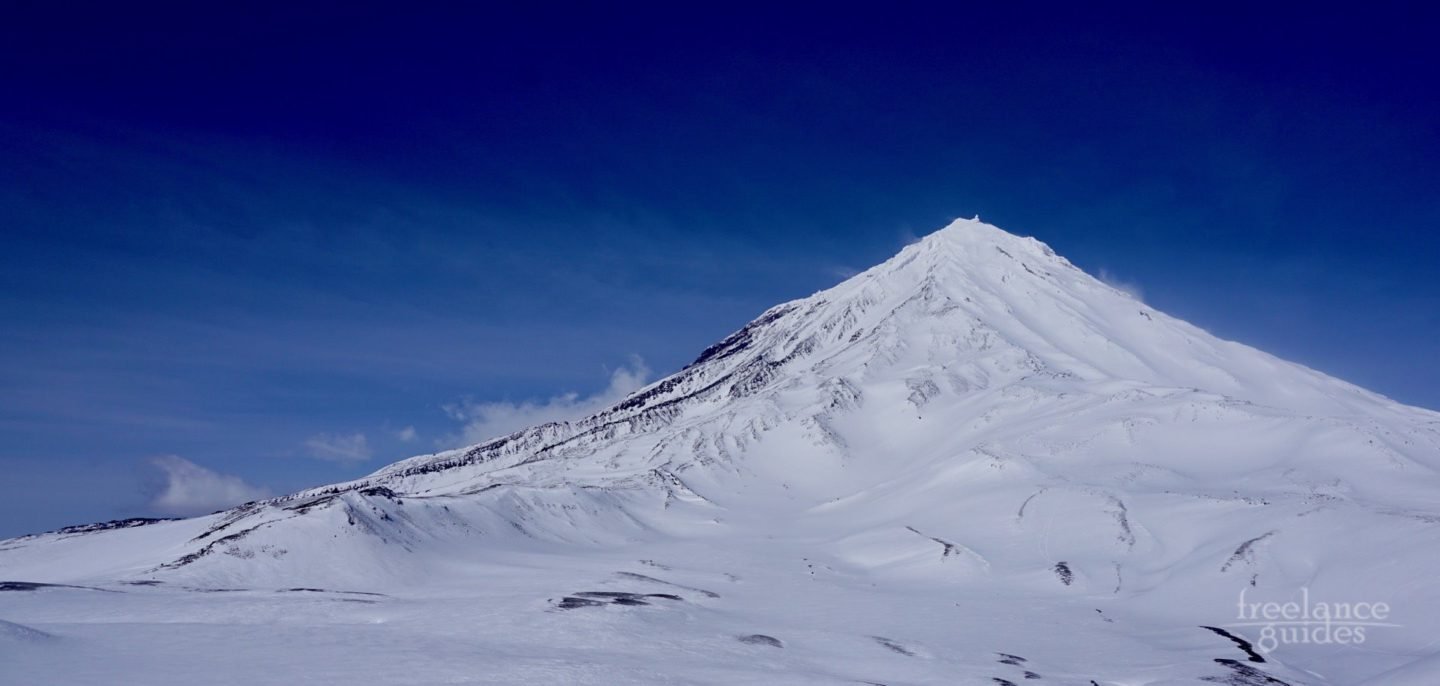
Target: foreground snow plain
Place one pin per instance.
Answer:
(973, 463)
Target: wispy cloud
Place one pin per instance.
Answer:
(339, 448)
(487, 420)
(406, 434)
(193, 490)
(1124, 285)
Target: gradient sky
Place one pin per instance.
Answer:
(247, 251)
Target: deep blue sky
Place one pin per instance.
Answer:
(247, 238)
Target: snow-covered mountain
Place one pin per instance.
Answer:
(973, 463)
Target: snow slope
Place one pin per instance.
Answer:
(966, 464)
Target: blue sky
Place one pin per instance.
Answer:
(250, 250)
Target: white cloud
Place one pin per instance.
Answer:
(194, 490)
(1128, 287)
(339, 448)
(484, 421)
(406, 434)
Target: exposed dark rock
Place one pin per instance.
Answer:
(1245, 552)
(379, 491)
(1062, 570)
(209, 548)
(651, 579)
(35, 586)
(1244, 644)
(1242, 674)
(740, 340)
(113, 524)
(893, 646)
(571, 602)
(761, 640)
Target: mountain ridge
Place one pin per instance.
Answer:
(955, 247)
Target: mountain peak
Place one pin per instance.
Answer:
(972, 229)
(971, 235)
(972, 278)
(973, 418)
